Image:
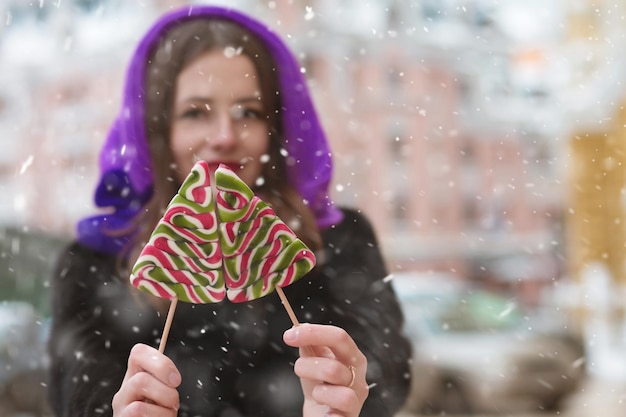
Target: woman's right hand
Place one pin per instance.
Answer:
(149, 386)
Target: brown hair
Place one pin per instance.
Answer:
(176, 49)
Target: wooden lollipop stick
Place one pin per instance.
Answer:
(168, 324)
(292, 316)
(287, 306)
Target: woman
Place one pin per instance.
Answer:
(212, 84)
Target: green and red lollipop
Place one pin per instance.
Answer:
(202, 252)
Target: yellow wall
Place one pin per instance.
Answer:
(596, 230)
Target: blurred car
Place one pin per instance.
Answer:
(23, 361)
(476, 351)
(26, 268)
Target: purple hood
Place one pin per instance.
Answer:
(126, 182)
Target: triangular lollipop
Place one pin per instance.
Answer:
(260, 252)
(183, 259)
(189, 257)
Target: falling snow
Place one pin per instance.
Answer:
(456, 126)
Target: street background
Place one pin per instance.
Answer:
(599, 397)
(485, 139)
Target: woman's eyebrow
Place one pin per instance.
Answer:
(194, 99)
(208, 100)
(249, 99)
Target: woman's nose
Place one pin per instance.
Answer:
(224, 135)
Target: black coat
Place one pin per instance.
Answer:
(231, 356)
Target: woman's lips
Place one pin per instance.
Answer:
(234, 166)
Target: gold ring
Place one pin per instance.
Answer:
(352, 368)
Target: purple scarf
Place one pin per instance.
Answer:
(126, 181)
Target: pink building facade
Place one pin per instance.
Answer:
(441, 193)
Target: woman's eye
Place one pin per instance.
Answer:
(241, 113)
(252, 114)
(192, 114)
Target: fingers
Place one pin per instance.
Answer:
(342, 400)
(330, 371)
(149, 386)
(335, 338)
(143, 386)
(139, 408)
(146, 358)
(336, 375)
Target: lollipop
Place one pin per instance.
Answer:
(191, 257)
(182, 258)
(260, 252)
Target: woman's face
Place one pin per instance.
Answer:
(218, 116)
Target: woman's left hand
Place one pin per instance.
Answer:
(331, 369)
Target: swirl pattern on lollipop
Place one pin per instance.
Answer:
(194, 258)
(260, 252)
(183, 259)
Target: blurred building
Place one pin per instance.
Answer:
(442, 117)
(595, 222)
